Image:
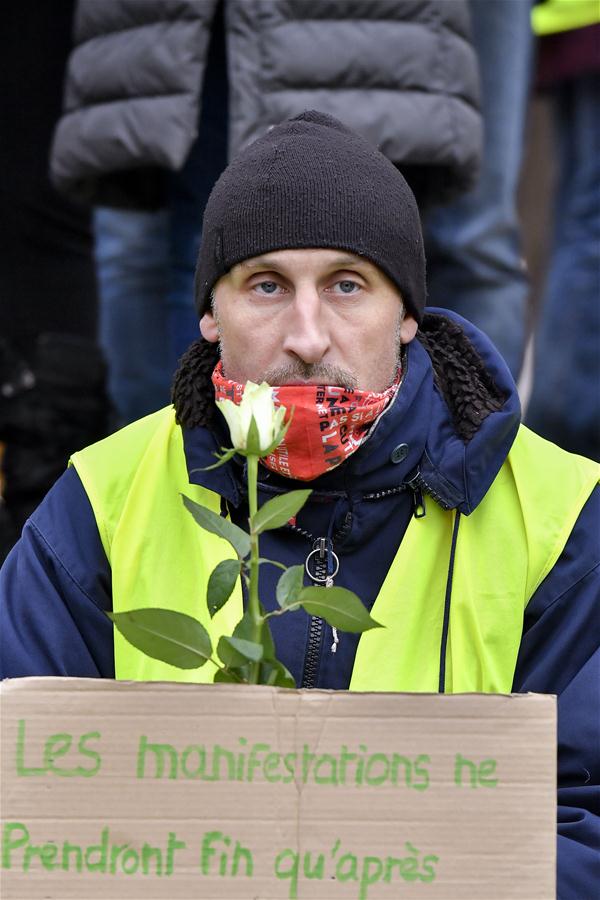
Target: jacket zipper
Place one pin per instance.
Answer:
(313, 651)
(315, 637)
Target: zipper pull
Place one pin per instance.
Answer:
(419, 510)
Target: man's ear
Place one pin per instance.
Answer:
(208, 328)
(408, 329)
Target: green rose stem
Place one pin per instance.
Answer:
(253, 601)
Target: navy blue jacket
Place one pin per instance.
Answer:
(56, 582)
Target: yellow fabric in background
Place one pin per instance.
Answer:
(553, 16)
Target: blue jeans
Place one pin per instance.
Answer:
(473, 247)
(565, 400)
(132, 271)
(145, 264)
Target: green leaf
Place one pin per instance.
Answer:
(237, 651)
(278, 511)
(267, 638)
(275, 673)
(338, 606)
(253, 438)
(223, 457)
(271, 670)
(172, 637)
(289, 586)
(245, 630)
(221, 584)
(229, 676)
(206, 518)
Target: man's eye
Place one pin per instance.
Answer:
(346, 286)
(267, 287)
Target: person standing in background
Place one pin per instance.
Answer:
(474, 253)
(145, 150)
(565, 399)
(146, 257)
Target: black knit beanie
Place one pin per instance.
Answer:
(312, 182)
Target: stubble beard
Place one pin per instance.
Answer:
(319, 373)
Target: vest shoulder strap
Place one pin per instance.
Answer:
(552, 487)
(108, 468)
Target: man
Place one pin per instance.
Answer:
(474, 542)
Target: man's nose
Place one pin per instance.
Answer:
(307, 335)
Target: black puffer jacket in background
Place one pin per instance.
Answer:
(401, 72)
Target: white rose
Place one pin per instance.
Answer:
(256, 407)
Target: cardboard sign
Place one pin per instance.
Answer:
(137, 790)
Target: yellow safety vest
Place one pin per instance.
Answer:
(160, 557)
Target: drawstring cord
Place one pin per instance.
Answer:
(446, 622)
(334, 630)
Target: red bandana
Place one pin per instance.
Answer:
(328, 425)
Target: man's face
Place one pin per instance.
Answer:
(309, 316)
